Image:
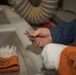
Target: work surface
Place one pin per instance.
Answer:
(27, 63)
(27, 66)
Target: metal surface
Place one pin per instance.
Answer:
(27, 66)
(27, 63)
(3, 18)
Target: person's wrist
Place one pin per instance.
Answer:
(51, 37)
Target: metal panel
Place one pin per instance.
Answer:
(69, 5)
(27, 66)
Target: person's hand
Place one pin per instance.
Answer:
(42, 36)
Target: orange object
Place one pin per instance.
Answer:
(67, 64)
(9, 64)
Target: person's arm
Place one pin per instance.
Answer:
(64, 33)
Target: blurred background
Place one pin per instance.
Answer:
(66, 10)
(4, 2)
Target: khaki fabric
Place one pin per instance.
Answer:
(67, 64)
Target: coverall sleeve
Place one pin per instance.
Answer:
(65, 33)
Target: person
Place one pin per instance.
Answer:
(57, 54)
(63, 34)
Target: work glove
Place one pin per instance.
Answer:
(8, 59)
(60, 57)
